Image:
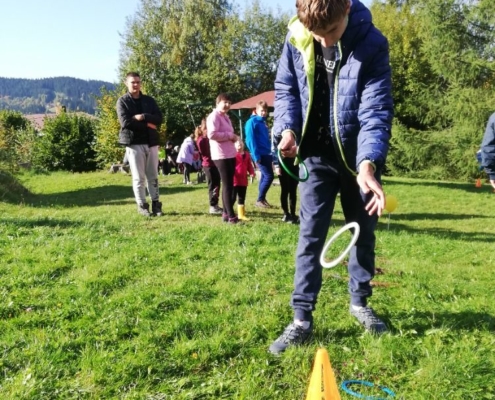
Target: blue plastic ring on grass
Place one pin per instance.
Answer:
(301, 162)
(365, 383)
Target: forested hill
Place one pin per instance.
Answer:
(38, 96)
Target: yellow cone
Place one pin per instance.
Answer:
(322, 385)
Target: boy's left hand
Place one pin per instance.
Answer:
(368, 183)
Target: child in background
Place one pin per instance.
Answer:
(288, 188)
(161, 160)
(209, 167)
(186, 157)
(243, 167)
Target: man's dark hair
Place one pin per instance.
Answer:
(133, 75)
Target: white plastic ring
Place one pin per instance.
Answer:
(354, 239)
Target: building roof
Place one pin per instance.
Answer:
(269, 97)
(38, 120)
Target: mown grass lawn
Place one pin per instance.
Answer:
(97, 302)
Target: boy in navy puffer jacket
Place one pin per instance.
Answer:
(334, 110)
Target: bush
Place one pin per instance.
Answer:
(107, 129)
(66, 143)
(448, 154)
(17, 138)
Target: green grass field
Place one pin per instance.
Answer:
(98, 302)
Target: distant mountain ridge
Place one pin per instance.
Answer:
(39, 96)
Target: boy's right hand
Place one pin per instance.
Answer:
(368, 183)
(287, 145)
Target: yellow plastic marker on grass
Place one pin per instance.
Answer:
(322, 385)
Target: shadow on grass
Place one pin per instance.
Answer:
(423, 321)
(440, 232)
(37, 223)
(468, 187)
(11, 190)
(94, 196)
(437, 217)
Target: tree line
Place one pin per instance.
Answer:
(441, 52)
(39, 96)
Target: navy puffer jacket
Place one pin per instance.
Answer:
(361, 106)
(488, 148)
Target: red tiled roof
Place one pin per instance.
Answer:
(269, 97)
(38, 119)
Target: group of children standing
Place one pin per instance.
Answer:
(227, 165)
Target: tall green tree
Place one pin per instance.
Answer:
(458, 37)
(412, 75)
(443, 74)
(261, 35)
(187, 51)
(171, 43)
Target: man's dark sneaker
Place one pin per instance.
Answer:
(156, 208)
(216, 210)
(293, 335)
(234, 220)
(295, 220)
(144, 209)
(366, 316)
(287, 218)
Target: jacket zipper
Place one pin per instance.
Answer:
(336, 136)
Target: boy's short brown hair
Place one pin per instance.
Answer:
(318, 14)
(262, 104)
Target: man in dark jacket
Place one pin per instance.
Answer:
(139, 117)
(333, 110)
(488, 150)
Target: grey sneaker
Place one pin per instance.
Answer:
(144, 209)
(293, 335)
(156, 208)
(215, 210)
(367, 317)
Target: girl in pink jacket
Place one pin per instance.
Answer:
(223, 152)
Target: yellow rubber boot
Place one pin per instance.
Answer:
(241, 213)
